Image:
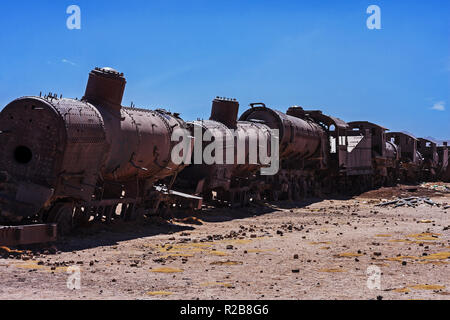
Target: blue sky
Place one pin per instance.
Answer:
(179, 55)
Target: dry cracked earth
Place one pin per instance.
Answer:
(320, 249)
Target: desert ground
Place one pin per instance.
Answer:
(342, 248)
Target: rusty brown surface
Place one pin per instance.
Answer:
(27, 234)
(105, 87)
(91, 156)
(82, 151)
(407, 145)
(299, 138)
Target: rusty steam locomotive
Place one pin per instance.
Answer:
(69, 161)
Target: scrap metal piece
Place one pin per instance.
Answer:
(196, 201)
(410, 201)
(386, 203)
(400, 203)
(27, 234)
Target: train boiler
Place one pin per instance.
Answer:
(303, 150)
(228, 179)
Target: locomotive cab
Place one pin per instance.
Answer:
(428, 150)
(410, 157)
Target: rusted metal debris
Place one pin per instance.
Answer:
(27, 234)
(410, 202)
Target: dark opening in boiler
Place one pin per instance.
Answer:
(23, 155)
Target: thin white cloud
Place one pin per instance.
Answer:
(164, 77)
(439, 106)
(69, 62)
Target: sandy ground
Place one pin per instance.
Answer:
(320, 249)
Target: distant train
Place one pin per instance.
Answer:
(70, 161)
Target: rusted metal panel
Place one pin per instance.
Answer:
(377, 132)
(27, 234)
(84, 151)
(252, 132)
(217, 175)
(33, 146)
(366, 124)
(359, 153)
(140, 145)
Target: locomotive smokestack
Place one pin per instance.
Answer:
(225, 111)
(296, 111)
(105, 87)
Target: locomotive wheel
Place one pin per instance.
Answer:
(80, 217)
(275, 195)
(246, 198)
(137, 214)
(296, 192)
(62, 214)
(130, 213)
